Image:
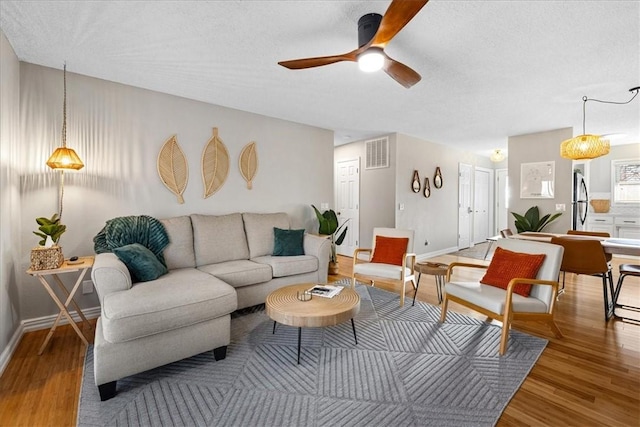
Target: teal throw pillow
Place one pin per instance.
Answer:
(141, 262)
(288, 242)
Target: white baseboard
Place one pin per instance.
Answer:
(11, 347)
(428, 255)
(36, 324)
(46, 322)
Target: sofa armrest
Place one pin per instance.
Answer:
(109, 275)
(320, 247)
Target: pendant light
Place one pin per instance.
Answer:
(588, 146)
(64, 157)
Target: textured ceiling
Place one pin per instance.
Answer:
(490, 69)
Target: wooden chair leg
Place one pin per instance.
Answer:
(353, 281)
(504, 339)
(443, 309)
(404, 288)
(554, 328)
(506, 325)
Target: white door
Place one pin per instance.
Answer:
(348, 203)
(502, 203)
(481, 204)
(464, 206)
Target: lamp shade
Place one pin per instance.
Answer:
(65, 158)
(584, 147)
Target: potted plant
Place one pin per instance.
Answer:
(329, 226)
(48, 255)
(531, 220)
(50, 230)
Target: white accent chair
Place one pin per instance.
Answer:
(370, 270)
(505, 305)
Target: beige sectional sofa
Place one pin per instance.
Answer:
(216, 264)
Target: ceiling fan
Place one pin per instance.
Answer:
(374, 33)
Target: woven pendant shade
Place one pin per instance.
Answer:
(65, 158)
(584, 147)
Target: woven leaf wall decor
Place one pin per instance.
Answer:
(173, 168)
(215, 164)
(249, 163)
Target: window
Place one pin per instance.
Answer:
(625, 181)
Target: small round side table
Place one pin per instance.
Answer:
(436, 269)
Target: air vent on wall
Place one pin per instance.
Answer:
(377, 153)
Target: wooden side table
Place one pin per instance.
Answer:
(82, 265)
(437, 269)
(283, 306)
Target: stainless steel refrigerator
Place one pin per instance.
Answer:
(579, 202)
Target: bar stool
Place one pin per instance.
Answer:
(625, 270)
(436, 269)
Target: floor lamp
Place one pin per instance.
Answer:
(63, 157)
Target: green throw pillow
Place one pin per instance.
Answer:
(141, 262)
(288, 242)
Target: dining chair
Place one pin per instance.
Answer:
(502, 296)
(506, 233)
(585, 256)
(391, 258)
(593, 234)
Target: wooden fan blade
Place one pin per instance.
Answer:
(399, 13)
(297, 64)
(400, 72)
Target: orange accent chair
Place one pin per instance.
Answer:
(403, 273)
(506, 305)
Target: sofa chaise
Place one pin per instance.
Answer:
(216, 264)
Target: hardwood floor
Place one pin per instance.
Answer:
(590, 377)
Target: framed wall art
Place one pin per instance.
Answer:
(537, 180)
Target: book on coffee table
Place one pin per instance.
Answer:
(325, 291)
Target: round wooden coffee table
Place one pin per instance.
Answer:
(283, 306)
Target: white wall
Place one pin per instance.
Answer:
(377, 189)
(10, 248)
(541, 147)
(434, 219)
(118, 131)
(382, 190)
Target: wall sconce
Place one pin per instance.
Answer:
(587, 146)
(63, 157)
(497, 156)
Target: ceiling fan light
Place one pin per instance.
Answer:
(371, 60)
(584, 147)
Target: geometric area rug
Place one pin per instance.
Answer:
(406, 370)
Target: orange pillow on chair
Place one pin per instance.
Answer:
(506, 265)
(390, 250)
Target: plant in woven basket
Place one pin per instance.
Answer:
(50, 228)
(531, 221)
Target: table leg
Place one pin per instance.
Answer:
(488, 249)
(71, 294)
(416, 291)
(299, 339)
(274, 327)
(439, 284)
(64, 312)
(353, 325)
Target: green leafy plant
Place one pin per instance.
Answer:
(531, 221)
(329, 226)
(50, 227)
